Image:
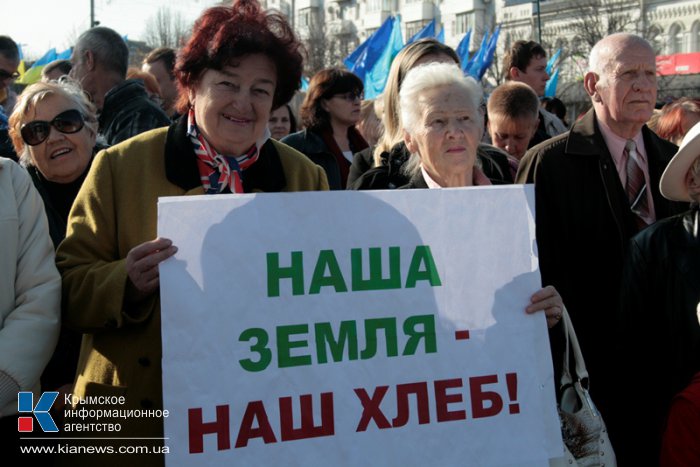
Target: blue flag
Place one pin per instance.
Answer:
(550, 89)
(441, 36)
(373, 50)
(34, 73)
(490, 50)
(463, 50)
(375, 81)
(427, 31)
(552, 60)
(477, 61)
(350, 60)
(65, 55)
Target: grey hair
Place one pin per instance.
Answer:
(37, 92)
(108, 48)
(606, 50)
(429, 76)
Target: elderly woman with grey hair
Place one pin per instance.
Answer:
(53, 129)
(443, 123)
(658, 329)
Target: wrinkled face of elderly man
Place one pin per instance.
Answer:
(623, 83)
(447, 132)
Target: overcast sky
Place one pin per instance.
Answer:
(39, 25)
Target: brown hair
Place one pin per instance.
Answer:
(324, 85)
(513, 100)
(164, 54)
(519, 56)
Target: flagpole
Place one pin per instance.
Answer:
(539, 24)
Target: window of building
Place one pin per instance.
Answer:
(464, 22)
(675, 39)
(695, 37)
(412, 27)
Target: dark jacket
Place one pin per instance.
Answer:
(583, 225)
(312, 144)
(127, 112)
(389, 175)
(659, 329)
(361, 162)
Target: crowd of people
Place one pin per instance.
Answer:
(95, 144)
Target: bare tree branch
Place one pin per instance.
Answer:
(166, 29)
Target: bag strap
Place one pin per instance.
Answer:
(572, 345)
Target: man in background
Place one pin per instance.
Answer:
(99, 63)
(9, 62)
(526, 62)
(161, 64)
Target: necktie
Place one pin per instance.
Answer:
(636, 184)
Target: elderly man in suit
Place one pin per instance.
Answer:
(595, 187)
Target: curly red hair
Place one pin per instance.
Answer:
(223, 34)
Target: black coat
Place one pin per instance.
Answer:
(389, 175)
(127, 112)
(583, 225)
(659, 329)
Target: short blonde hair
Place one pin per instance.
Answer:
(37, 92)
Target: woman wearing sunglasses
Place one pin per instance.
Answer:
(53, 129)
(239, 63)
(329, 112)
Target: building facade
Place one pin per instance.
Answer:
(671, 26)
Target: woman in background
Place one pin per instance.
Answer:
(329, 113)
(282, 122)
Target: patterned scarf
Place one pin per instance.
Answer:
(220, 173)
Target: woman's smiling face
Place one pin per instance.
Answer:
(232, 106)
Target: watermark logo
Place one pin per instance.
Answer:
(25, 404)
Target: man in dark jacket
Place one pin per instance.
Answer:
(595, 187)
(100, 60)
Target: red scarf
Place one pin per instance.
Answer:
(219, 173)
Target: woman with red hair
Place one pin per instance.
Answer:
(676, 118)
(239, 64)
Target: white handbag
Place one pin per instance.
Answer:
(586, 441)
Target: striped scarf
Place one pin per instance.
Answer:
(218, 173)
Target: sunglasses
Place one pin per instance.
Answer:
(6, 75)
(68, 122)
(351, 96)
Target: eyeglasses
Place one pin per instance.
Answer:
(68, 122)
(351, 96)
(7, 75)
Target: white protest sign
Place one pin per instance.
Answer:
(355, 328)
